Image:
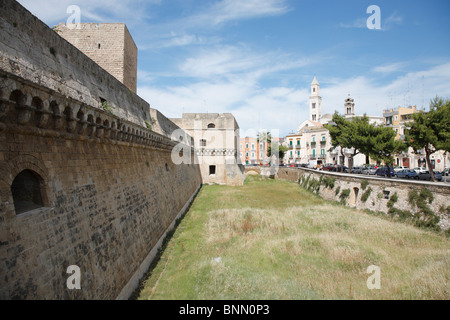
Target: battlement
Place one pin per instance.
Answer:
(35, 52)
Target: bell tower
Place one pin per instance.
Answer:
(349, 107)
(315, 102)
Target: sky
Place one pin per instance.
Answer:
(256, 59)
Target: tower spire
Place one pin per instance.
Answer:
(315, 101)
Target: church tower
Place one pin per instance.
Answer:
(349, 107)
(315, 102)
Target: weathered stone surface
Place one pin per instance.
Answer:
(109, 189)
(381, 191)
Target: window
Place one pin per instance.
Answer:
(26, 191)
(291, 143)
(253, 146)
(298, 142)
(203, 143)
(314, 153)
(313, 105)
(211, 126)
(323, 152)
(314, 139)
(212, 170)
(240, 146)
(314, 117)
(253, 155)
(246, 146)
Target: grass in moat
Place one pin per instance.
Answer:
(271, 239)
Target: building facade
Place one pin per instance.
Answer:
(216, 143)
(397, 119)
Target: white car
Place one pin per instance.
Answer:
(420, 170)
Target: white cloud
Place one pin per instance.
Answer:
(55, 11)
(229, 10)
(390, 68)
(285, 107)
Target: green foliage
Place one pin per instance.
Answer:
(444, 210)
(366, 195)
(424, 216)
(393, 200)
(344, 195)
(337, 191)
(364, 184)
(329, 182)
(279, 150)
(385, 146)
(430, 130)
(107, 107)
(148, 125)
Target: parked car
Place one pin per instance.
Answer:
(383, 172)
(420, 169)
(339, 168)
(398, 169)
(427, 176)
(446, 172)
(356, 170)
(372, 171)
(328, 167)
(406, 174)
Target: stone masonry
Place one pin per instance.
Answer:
(79, 185)
(110, 45)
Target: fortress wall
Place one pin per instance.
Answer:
(106, 187)
(37, 53)
(109, 195)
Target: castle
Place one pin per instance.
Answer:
(87, 172)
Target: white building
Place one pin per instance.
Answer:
(315, 138)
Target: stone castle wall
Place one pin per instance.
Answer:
(110, 45)
(33, 51)
(108, 188)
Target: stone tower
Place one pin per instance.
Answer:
(315, 101)
(349, 107)
(110, 45)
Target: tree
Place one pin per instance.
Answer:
(278, 150)
(266, 138)
(430, 131)
(359, 137)
(384, 146)
(351, 134)
(336, 129)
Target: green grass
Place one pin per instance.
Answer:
(277, 241)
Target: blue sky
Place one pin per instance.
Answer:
(257, 58)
